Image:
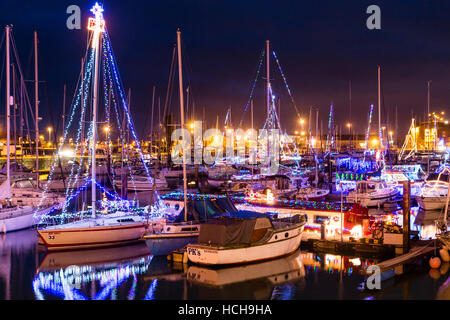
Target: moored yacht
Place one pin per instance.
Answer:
(231, 240)
(372, 193)
(434, 191)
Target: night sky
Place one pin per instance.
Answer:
(321, 45)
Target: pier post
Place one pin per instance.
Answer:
(406, 205)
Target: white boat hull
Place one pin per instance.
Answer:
(281, 243)
(88, 236)
(171, 237)
(371, 200)
(16, 220)
(431, 203)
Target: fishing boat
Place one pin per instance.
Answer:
(434, 191)
(231, 240)
(372, 193)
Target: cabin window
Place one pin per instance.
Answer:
(125, 220)
(177, 206)
(189, 229)
(286, 235)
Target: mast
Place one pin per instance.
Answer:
(99, 25)
(151, 123)
(251, 108)
(8, 102)
(268, 99)
(350, 138)
(36, 106)
(180, 78)
(379, 108)
(64, 108)
(14, 105)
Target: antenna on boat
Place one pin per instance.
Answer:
(180, 78)
(97, 25)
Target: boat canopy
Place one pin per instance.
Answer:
(233, 231)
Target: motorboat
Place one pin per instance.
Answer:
(25, 192)
(246, 237)
(372, 193)
(434, 191)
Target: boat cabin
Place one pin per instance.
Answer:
(370, 186)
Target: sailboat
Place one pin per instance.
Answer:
(175, 235)
(11, 217)
(100, 228)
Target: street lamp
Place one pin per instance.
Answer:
(49, 129)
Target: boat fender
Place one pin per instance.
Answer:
(185, 257)
(3, 227)
(435, 262)
(444, 255)
(434, 273)
(444, 268)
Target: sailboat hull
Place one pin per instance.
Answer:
(164, 246)
(88, 237)
(16, 220)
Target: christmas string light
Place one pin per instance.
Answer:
(107, 71)
(253, 87)
(130, 122)
(368, 129)
(286, 84)
(77, 99)
(330, 135)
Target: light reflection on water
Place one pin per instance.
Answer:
(421, 221)
(130, 272)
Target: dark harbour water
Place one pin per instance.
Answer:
(131, 272)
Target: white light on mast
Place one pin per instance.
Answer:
(96, 24)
